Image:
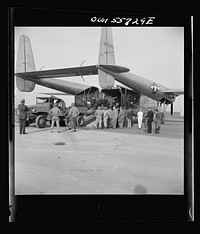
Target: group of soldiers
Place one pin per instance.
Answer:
(155, 117)
(113, 117)
(72, 116)
(120, 117)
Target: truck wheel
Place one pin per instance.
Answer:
(62, 123)
(80, 121)
(40, 121)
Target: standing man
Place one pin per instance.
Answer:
(125, 116)
(55, 113)
(121, 117)
(129, 117)
(93, 102)
(158, 117)
(110, 113)
(98, 114)
(23, 116)
(140, 118)
(73, 114)
(149, 120)
(105, 117)
(114, 117)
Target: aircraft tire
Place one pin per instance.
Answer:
(80, 121)
(40, 121)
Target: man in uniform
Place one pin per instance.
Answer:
(158, 117)
(114, 117)
(149, 120)
(129, 117)
(23, 116)
(110, 115)
(140, 118)
(98, 114)
(105, 117)
(73, 114)
(55, 113)
(121, 117)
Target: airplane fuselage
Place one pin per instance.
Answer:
(144, 86)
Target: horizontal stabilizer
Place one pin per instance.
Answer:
(63, 72)
(114, 68)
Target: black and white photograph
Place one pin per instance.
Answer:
(117, 103)
(99, 110)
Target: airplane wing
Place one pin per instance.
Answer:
(66, 94)
(72, 71)
(63, 72)
(175, 92)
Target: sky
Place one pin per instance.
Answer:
(155, 53)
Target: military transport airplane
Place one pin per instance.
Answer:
(106, 69)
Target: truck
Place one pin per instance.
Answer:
(39, 113)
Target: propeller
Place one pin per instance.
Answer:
(171, 108)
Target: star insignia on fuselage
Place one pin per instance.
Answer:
(154, 87)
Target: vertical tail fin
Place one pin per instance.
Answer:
(106, 57)
(25, 63)
(106, 49)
